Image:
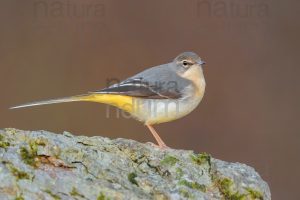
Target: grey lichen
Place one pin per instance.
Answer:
(97, 168)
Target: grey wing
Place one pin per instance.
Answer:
(155, 83)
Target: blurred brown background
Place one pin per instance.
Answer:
(250, 112)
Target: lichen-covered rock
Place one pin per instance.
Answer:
(43, 165)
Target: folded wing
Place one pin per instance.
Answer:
(138, 87)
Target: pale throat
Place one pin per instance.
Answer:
(195, 74)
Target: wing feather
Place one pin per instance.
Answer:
(160, 82)
(140, 88)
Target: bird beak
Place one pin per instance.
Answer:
(202, 62)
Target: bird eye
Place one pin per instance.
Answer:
(186, 63)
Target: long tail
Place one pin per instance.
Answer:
(53, 101)
(123, 102)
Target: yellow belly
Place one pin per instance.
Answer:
(141, 109)
(149, 111)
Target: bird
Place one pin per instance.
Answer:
(156, 95)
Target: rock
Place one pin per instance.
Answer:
(44, 165)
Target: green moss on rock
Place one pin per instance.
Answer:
(54, 196)
(101, 196)
(201, 158)
(225, 186)
(19, 198)
(254, 194)
(193, 185)
(11, 130)
(185, 193)
(75, 192)
(17, 172)
(3, 144)
(40, 142)
(131, 178)
(29, 155)
(179, 172)
(169, 160)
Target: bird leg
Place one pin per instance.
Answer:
(160, 142)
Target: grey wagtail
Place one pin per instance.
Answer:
(159, 94)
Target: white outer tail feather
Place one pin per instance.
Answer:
(51, 101)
